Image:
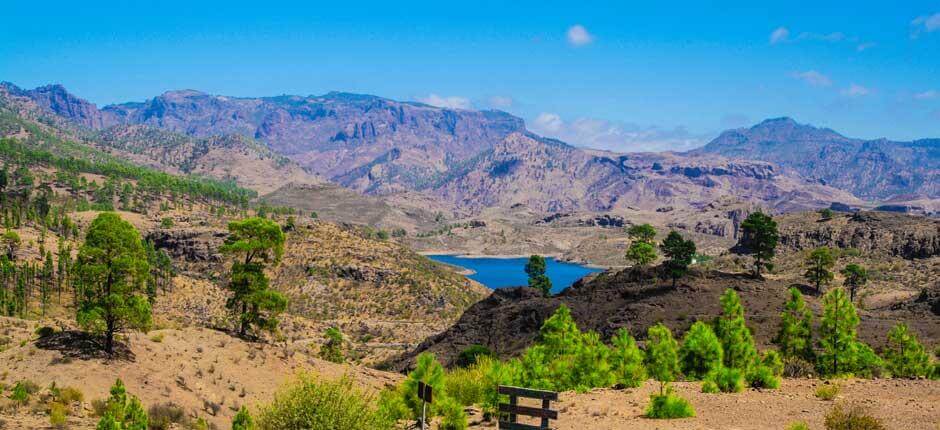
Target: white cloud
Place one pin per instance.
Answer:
(927, 95)
(925, 24)
(856, 90)
(864, 46)
(615, 136)
(579, 36)
(779, 35)
(813, 78)
(501, 102)
(837, 36)
(452, 102)
(548, 122)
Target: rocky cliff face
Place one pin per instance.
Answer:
(881, 233)
(874, 169)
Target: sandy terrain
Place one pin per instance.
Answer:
(900, 404)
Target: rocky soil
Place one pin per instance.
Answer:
(899, 404)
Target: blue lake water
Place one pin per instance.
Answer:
(510, 272)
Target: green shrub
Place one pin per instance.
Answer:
(242, 420)
(851, 418)
(727, 380)
(391, 405)
(762, 377)
(452, 414)
(57, 415)
(313, 404)
(626, 360)
(868, 364)
(730, 327)
(465, 385)
(905, 356)
(469, 355)
(828, 391)
(709, 386)
(427, 370)
(22, 391)
(668, 405)
(701, 351)
(68, 395)
(772, 360)
(45, 331)
(662, 355)
(795, 367)
(799, 425)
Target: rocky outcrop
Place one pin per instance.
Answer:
(190, 244)
(882, 233)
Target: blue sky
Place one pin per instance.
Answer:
(613, 75)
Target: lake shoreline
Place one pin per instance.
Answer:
(506, 271)
(556, 256)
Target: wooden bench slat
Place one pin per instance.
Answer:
(505, 425)
(528, 411)
(527, 392)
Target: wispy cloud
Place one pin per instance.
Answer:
(925, 24)
(855, 90)
(779, 35)
(579, 36)
(864, 46)
(829, 37)
(927, 95)
(501, 102)
(813, 78)
(615, 136)
(451, 102)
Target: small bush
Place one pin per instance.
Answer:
(728, 380)
(709, 387)
(23, 390)
(795, 367)
(45, 331)
(763, 377)
(452, 414)
(669, 406)
(469, 355)
(311, 403)
(851, 418)
(99, 407)
(772, 360)
(162, 416)
(57, 415)
(465, 385)
(69, 395)
(799, 425)
(156, 338)
(828, 391)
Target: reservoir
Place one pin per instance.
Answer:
(510, 272)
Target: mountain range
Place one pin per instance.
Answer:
(478, 159)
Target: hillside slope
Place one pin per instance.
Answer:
(872, 169)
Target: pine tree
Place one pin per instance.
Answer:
(535, 268)
(905, 356)
(759, 238)
(114, 271)
(243, 420)
(255, 242)
(837, 335)
(794, 338)
(820, 263)
(701, 351)
(662, 355)
(679, 253)
(641, 254)
(855, 277)
(642, 233)
(332, 350)
(626, 360)
(736, 340)
(135, 417)
(429, 371)
(559, 333)
(590, 365)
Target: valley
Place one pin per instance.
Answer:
(356, 198)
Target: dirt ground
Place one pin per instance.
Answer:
(900, 404)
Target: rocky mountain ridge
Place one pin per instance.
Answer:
(469, 159)
(872, 169)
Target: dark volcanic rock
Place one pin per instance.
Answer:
(192, 245)
(871, 232)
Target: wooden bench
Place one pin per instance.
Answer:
(509, 412)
